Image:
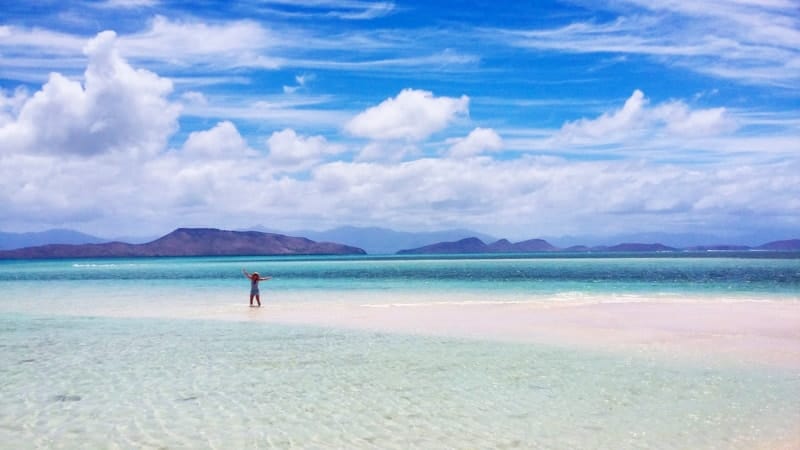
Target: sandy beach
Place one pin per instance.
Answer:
(744, 331)
(747, 331)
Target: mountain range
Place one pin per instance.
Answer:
(382, 241)
(475, 245)
(191, 242)
(9, 241)
(372, 240)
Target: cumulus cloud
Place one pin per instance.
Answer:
(114, 127)
(222, 141)
(636, 119)
(118, 108)
(608, 125)
(540, 196)
(387, 151)
(680, 120)
(412, 116)
(477, 141)
(289, 150)
(11, 103)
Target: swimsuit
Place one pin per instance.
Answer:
(254, 287)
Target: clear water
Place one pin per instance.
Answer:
(774, 274)
(73, 377)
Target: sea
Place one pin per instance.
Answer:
(114, 354)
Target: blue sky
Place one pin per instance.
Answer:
(517, 119)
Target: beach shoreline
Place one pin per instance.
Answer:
(748, 332)
(741, 331)
(693, 346)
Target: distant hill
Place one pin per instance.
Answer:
(468, 245)
(636, 247)
(62, 243)
(788, 245)
(191, 242)
(10, 241)
(719, 248)
(475, 245)
(383, 241)
(693, 240)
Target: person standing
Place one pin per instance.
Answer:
(254, 279)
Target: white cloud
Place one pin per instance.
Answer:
(540, 196)
(127, 4)
(11, 103)
(681, 121)
(412, 116)
(241, 43)
(199, 46)
(301, 81)
(194, 98)
(439, 61)
(477, 141)
(206, 183)
(117, 109)
(18, 41)
(349, 10)
(289, 150)
(637, 120)
(751, 42)
(387, 151)
(626, 120)
(279, 111)
(107, 136)
(366, 11)
(222, 141)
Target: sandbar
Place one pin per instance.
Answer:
(763, 332)
(749, 331)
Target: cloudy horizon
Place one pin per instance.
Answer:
(135, 117)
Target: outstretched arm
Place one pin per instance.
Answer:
(264, 278)
(245, 273)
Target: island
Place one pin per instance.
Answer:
(191, 242)
(474, 245)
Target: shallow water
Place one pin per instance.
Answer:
(83, 369)
(133, 383)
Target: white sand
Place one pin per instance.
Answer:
(747, 331)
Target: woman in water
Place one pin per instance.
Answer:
(254, 279)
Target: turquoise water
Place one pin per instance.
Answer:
(75, 377)
(773, 274)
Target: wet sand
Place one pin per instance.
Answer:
(747, 331)
(755, 333)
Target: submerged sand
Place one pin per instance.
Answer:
(758, 332)
(744, 331)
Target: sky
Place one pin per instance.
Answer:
(516, 119)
